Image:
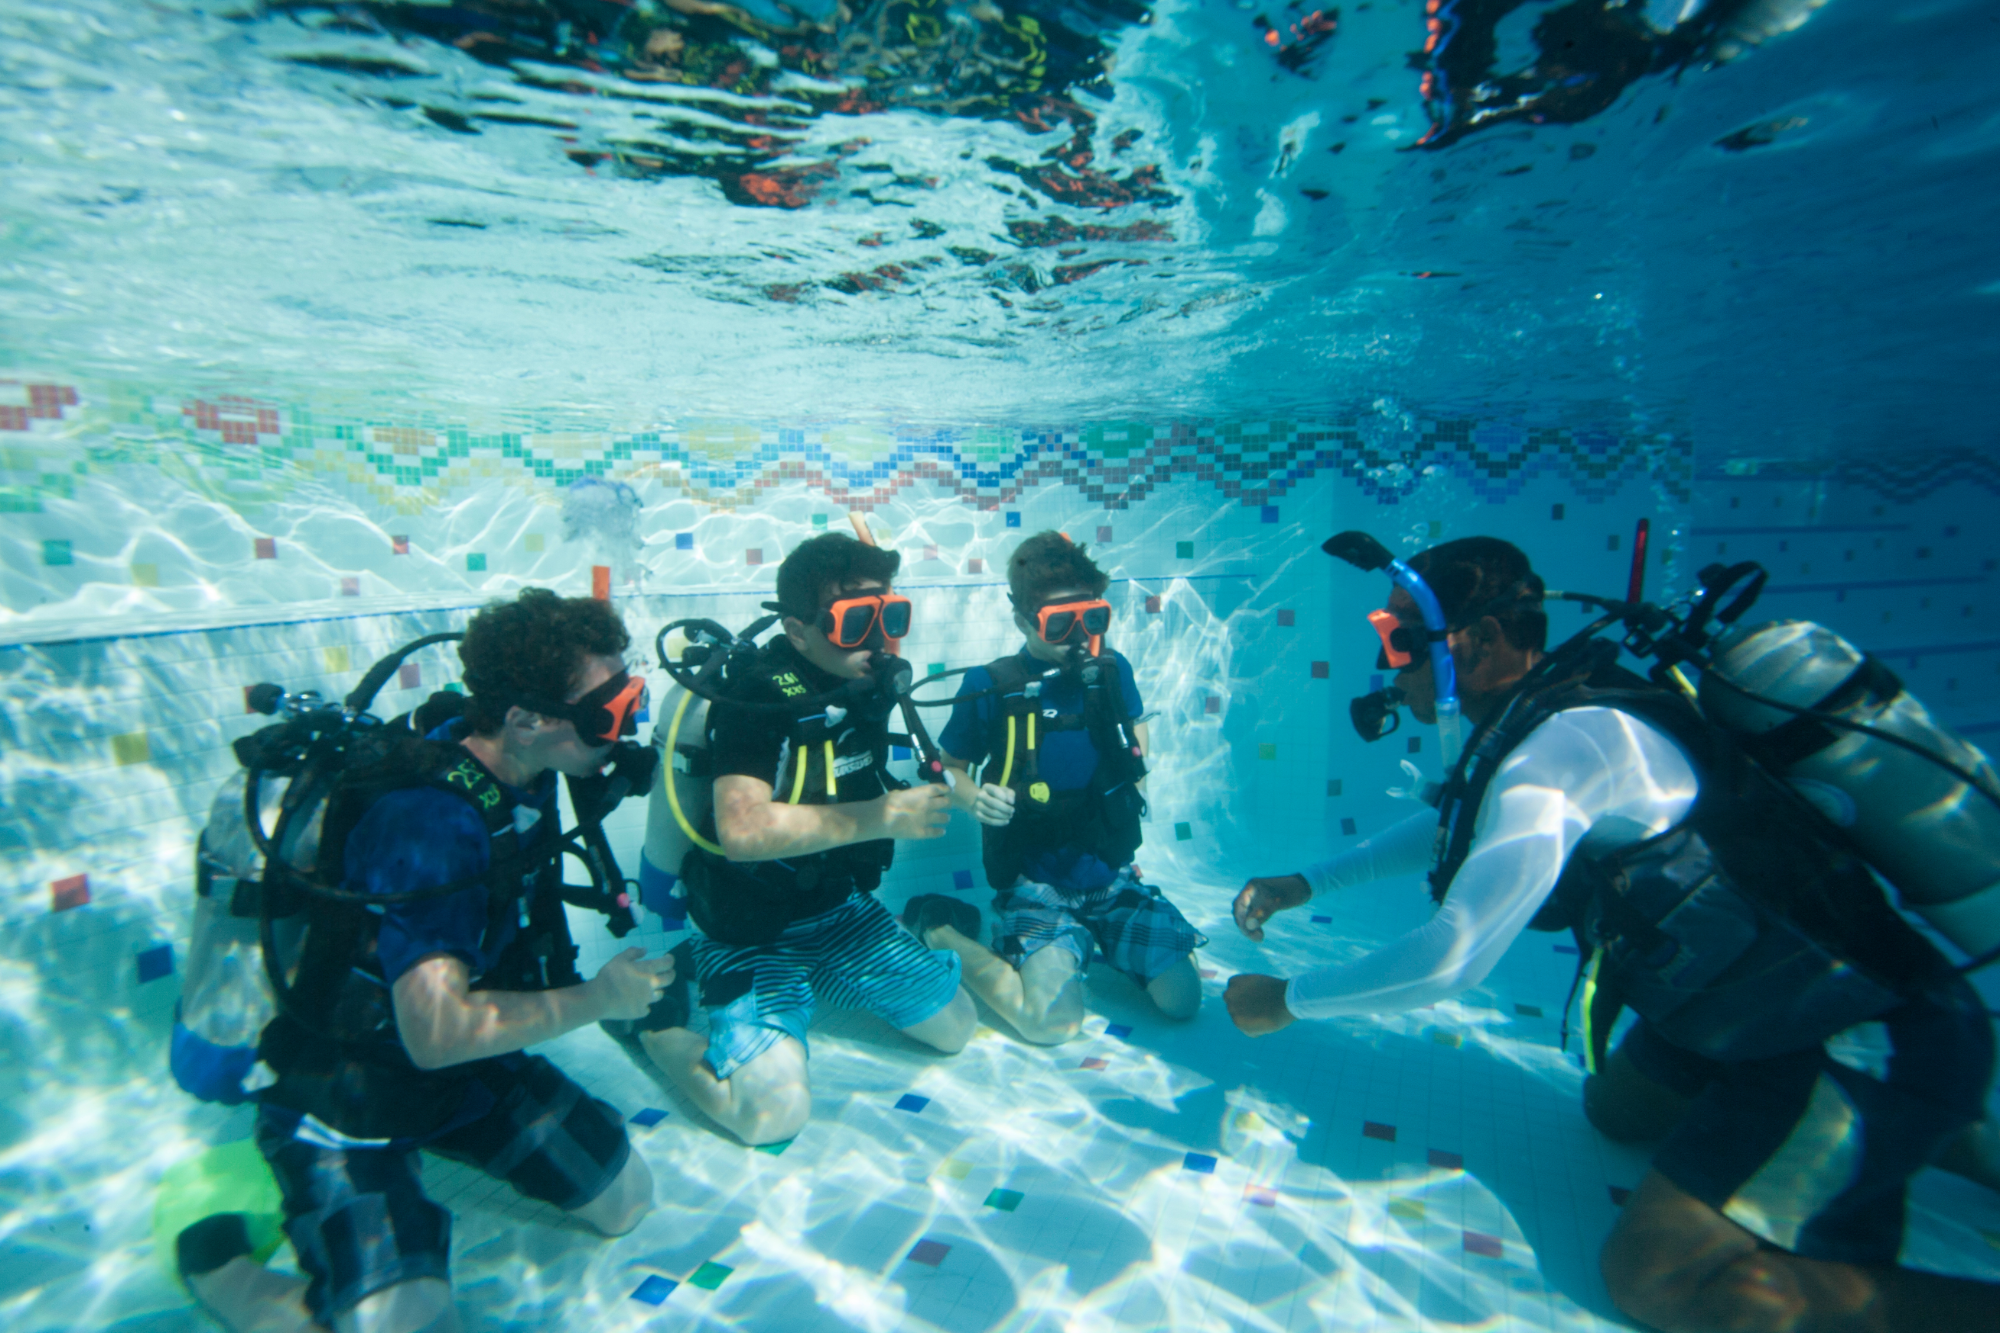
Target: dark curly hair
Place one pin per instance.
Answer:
(533, 645)
(830, 559)
(1047, 561)
(1485, 576)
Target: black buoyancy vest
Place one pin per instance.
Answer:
(1744, 931)
(823, 762)
(333, 1044)
(1102, 817)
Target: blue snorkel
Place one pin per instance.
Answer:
(1365, 553)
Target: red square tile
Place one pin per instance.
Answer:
(930, 553)
(267, 548)
(1104, 534)
(399, 545)
(1261, 1195)
(753, 556)
(1093, 1062)
(1152, 606)
(67, 893)
(930, 1252)
(975, 566)
(410, 676)
(350, 587)
(1319, 670)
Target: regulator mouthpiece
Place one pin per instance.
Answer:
(1374, 715)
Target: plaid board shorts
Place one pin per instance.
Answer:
(1139, 931)
(1814, 1151)
(355, 1209)
(855, 956)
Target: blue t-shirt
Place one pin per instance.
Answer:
(1067, 759)
(420, 837)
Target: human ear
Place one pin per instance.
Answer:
(795, 630)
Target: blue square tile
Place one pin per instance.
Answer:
(1374, 683)
(654, 1289)
(1347, 827)
(649, 1117)
(1118, 1030)
(1317, 921)
(1199, 1161)
(155, 963)
(899, 752)
(912, 1103)
(1270, 513)
(683, 541)
(1013, 518)
(961, 879)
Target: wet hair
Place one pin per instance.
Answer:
(830, 559)
(1047, 561)
(1475, 577)
(533, 645)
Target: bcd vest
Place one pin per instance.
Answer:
(333, 1045)
(1743, 932)
(830, 757)
(1102, 817)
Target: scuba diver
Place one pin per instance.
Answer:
(779, 875)
(1060, 804)
(410, 901)
(1706, 847)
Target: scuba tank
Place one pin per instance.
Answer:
(678, 806)
(1918, 823)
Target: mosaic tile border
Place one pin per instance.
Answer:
(58, 432)
(1900, 478)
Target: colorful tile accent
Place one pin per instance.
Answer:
(1199, 1162)
(410, 676)
(475, 562)
(930, 553)
(57, 551)
(1347, 827)
(1528, 1010)
(1408, 1210)
(1093, 1062)
(1208, 973)
(1267, 750)
(1005, 1200)
(534, 543)
(155, 963)
(1450, 1161)
(935, 669)
(1152, 606)
(67, 893)
(134, 747)
(1183, 831)
(600, 582)
(1333, 786)
(1118, 1031)
(774, 1149)
(649, 1117)
(961, 879)
(1556, 512)
(1104, 535)
(975, 566)
(337, 658)
(683, 541)
(1013, 518)
(1443, 1038)
(1322, 921)
(1211, 704)
(1261, 1195)
(1321, 670)
(819, 522)
(1371, 1129)
(955, 1169)
(1270, 513)
(710, 1275)
(929, 1252)
(655, 1289)
(1477, 1242)
(912, 1103)
(267, 548)
(1183, 550)
(1287, 618)
(399, 546)
(145, 575)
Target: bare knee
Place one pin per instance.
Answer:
(1049, 1029)
(1674, 1263)
(950, 1028)
(1176, 992)
(775, 1118)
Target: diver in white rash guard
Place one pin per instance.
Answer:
(1776, 1200)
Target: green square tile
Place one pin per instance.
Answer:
(1333, 786)
(1005, 1200)
(819, 520)
(475, 561)
(1184, 550)
(934, 669)
(1437, 528)
(1266, 750)
(57, 552)
(1183, 831)
(710, 1276)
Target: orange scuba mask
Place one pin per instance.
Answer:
(1059, 622)
(602, 717)
(849, 622)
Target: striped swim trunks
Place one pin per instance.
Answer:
(853, 957)
(1140, 932)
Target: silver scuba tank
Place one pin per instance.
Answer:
(1928, 833)
(681, 737)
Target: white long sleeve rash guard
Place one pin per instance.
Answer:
(1586, 774)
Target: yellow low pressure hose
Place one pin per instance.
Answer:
(673, 795)
(1007, 769)
(832, 788)
(1031, 733)
(798, 775)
